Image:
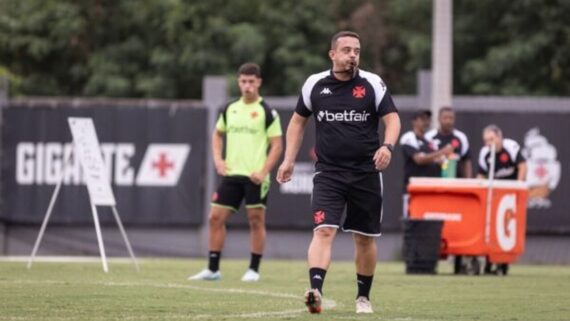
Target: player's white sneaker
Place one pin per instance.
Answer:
(363, 305)
(206, 275)
(250, 276)
(313, 300)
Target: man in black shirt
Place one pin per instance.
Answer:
(448, 134)
(420, 157)
(347, 104)
(509, 161)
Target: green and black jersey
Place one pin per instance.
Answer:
(248, 128)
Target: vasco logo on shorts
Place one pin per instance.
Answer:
(319, 217)
(352, 115)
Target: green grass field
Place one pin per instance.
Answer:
(81, 291)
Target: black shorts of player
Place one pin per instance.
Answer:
(360, 193)
(233, 189)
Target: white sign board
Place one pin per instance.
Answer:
(88, 153)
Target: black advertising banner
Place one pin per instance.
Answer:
(155, 158)
(541, 136)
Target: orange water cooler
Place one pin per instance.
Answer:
(481, 218)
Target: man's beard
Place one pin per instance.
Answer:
(349, 69)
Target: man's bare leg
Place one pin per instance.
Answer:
(257, 235)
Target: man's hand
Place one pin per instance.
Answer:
(285, 172)
(257, 177)
(448, 149)
(221, 167)
(382, 158)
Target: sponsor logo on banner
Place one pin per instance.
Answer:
(162, 164)
(443, 216)
(543, 168)
(506, 225)
(43, 164)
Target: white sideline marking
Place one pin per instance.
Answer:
(327, 303)
(64, 259)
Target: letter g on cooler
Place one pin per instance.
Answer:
(506, 222)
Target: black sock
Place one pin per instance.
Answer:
(214, 260)
(317, 276)
(254, 262)
(364, 285)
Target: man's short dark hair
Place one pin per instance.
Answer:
(250, 69)
(343, 34)
(421, 113)
(445, 109)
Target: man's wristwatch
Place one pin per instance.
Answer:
(389, 146)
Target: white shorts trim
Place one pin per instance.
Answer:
(326, 225)
(362, 233)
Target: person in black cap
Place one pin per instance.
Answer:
(420, 158)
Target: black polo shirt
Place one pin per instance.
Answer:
(346, 117)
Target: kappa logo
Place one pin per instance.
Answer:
(504, 157)
(319, 217)
(326, 91)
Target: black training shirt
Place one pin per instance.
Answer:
(346, 117)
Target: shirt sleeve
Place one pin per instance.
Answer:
(409, 145)
(520, 158)
(301, 109)
(387, 105)
(274, 129)
(221, 123)
(409, 151)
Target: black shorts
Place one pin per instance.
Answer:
(360, 193)
(233, 189)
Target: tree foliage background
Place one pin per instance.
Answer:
(163, 48)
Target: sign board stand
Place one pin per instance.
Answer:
(88, 153)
